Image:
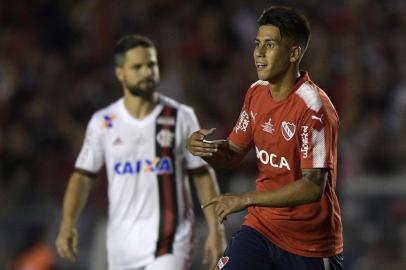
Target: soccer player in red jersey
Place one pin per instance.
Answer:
(294, 219)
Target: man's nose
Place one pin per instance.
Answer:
(260, 51)
(147, 71)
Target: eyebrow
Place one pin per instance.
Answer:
(267, 39)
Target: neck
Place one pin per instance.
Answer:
(280, 88)
(140, 107)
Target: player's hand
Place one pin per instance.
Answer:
(214, 247)
(227, 204)
(67, 243)
(197, 147)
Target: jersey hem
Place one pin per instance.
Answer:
(299, 252)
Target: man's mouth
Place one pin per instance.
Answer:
(261, 66)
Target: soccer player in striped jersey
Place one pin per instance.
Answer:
(141, 140)
(294, 219)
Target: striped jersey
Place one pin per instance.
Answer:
(150, 211)
(298, 132)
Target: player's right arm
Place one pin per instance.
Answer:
(88, 164)
(75, 198)
(222, 154)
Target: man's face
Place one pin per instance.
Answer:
(139, 72)
(271, 54)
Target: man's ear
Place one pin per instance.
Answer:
(295, 54)
(119, 73)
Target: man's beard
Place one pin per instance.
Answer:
(145, 93)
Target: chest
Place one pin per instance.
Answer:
(275, 125)
(150, 140)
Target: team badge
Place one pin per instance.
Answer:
(222, 262)
(268, 127)
(242, 122)
(165, 137)
(288, 130)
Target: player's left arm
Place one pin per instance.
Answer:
(308, 189)
(207, 188)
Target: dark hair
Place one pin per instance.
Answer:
(127, 43)
(291, 23)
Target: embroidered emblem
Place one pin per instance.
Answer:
(288, 130)
(242, 122)
(165, 138)
(268, 127)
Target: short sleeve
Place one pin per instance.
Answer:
(91, 156)
(241, 135)
(189, 124)
(318, 140)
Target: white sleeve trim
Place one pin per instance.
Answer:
(319, 148)
(310, 96)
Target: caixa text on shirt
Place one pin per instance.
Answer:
(272, 159)
(157, 165)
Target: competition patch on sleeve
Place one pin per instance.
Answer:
(243, 122)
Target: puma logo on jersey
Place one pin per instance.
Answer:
(318, 118)
(156, 165)
(253, 115)
(272, 159)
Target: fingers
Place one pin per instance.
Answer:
(210, 202)
(75, 242)
(66, 245)
(206, 255)
(206, 132)
(198, 147)
(222, 216)
(203, 149)
(64, 250)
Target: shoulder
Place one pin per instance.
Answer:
(182, 109)
(258, 88)
(314, 99)
(309, 94)
(108, 113)
(258, 83)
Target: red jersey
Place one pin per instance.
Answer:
(299, 132)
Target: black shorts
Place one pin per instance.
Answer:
(250, 250)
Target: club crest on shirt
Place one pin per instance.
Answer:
(165, 137)
(268, 127)
(222, 262)
(288, 130)
(242, 122)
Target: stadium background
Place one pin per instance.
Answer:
(56, 69)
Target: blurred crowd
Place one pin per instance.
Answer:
(56, 69)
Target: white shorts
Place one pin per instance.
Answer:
(166, 262)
